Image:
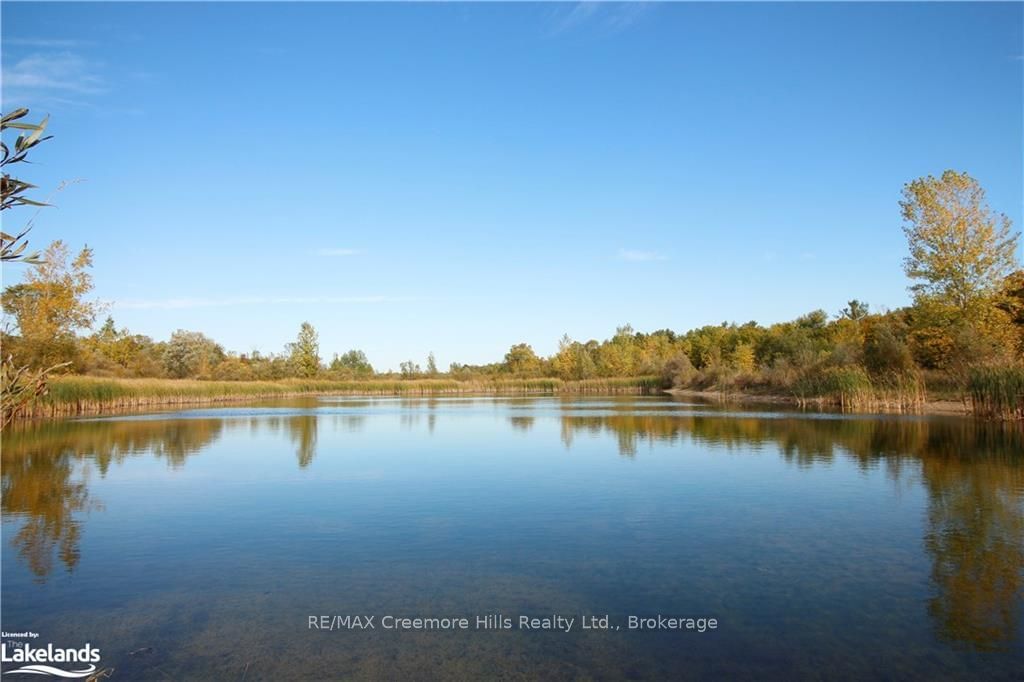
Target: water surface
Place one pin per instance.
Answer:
(203, 540)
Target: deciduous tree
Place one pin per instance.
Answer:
(304, 354)
(961, 250)
(353, 362)
(191, 354)
(520, 360)
(49, 307)
(961, 253)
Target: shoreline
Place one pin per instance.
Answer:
(76, 395)
(931, 406)
(72, 396)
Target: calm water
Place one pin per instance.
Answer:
(202, 540)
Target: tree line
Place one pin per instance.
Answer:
(967, 312)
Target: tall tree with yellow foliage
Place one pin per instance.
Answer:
(49, 307)
(961, 252)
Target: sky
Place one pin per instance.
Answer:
(458, 178)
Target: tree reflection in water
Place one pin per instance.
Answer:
(976, 541)
(973, 474)
(302, 429)
(40, 488)
(44, 478)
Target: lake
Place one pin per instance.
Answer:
(225, 543)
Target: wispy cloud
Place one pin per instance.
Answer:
(59, 76)
(635, 256)
(184, 303)
(577, 14)
(339, 252)
(48, 43)
(626, 14)
(611, 17)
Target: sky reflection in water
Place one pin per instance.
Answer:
(863, 546)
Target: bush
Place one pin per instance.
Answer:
(679, 371)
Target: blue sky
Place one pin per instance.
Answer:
(460, 177)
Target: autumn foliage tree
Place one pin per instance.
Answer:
(961, 253)
(49, 307)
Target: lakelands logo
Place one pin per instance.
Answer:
(39, 660)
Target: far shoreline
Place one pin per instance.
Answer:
(73, 396)
(930, 406)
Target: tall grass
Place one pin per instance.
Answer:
(71, 395)
(998, 392)
(849, 387)
(853, 389)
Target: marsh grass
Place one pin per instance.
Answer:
(850, 388)
(71, 395)
(853, 389)
(998, 392)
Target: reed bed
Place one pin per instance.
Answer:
(74, 395)
(853, 390)
(997, 393)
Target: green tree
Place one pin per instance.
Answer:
(855, 310)
(520, 360)
(233, 368)
(115, 347)
(304, 354)
(353, 362)
(885, 353)
(431, 364)
(191, 354)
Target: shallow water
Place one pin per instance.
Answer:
(196, 544)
